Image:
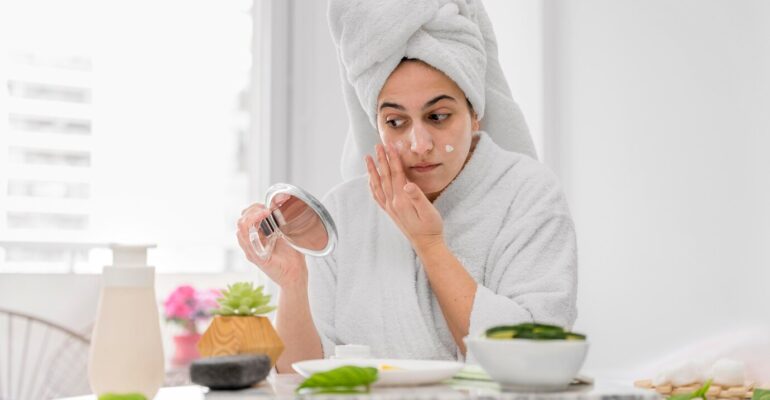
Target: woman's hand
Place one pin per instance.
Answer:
(286, 266)
(404, 201)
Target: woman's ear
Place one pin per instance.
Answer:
(475, 124)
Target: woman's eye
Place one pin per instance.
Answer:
(395, 122)
(438, 117)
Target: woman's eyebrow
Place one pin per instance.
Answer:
(392, 105)
(427, 104)
(437, 99)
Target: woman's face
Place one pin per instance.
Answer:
(425, 116)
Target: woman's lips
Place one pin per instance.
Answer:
(425, 167)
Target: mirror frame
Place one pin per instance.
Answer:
(316, 206)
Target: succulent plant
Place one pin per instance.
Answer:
(243, 299)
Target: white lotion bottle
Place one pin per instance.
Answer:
(126, 354)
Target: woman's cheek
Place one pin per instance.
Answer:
(387, 140)
(401, 147)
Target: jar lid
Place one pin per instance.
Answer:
(351, 351)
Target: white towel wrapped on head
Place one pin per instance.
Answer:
(453, 36)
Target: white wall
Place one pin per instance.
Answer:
(518, 26)
(663, 126)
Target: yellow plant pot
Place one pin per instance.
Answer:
(231, 335)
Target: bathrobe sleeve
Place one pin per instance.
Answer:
(321, 291)
(531, 271)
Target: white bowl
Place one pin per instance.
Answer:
(540, 365)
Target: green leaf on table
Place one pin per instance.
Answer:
(761, 394)
(345, 379)
(122, 396)
(700, 393)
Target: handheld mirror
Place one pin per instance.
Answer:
(297, 217)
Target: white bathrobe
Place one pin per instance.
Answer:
(505, 219)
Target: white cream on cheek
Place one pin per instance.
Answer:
(413, 139)
(400, 146)
(449, 148)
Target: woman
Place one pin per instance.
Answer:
(447, 233)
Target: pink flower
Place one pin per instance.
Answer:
(208, 299)
(186, 305)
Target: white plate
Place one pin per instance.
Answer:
(409, 372)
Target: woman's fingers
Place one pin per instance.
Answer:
(244, 240)
(252, 215)
(378, 187)
(375, 184)
(248, 217)
(384, 169)
(401, 200)
(421, 203)
(396, 169)
(251, 208)
(245, 244)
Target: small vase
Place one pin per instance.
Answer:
(185, 348)
(230, 335)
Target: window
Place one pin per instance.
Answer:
(123, 122)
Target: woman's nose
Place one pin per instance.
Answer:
(422, 141)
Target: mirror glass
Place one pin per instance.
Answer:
(297, 217)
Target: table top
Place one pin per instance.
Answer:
(282, 386)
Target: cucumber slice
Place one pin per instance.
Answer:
(502, 335)
(532, 331)
(501, 332)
